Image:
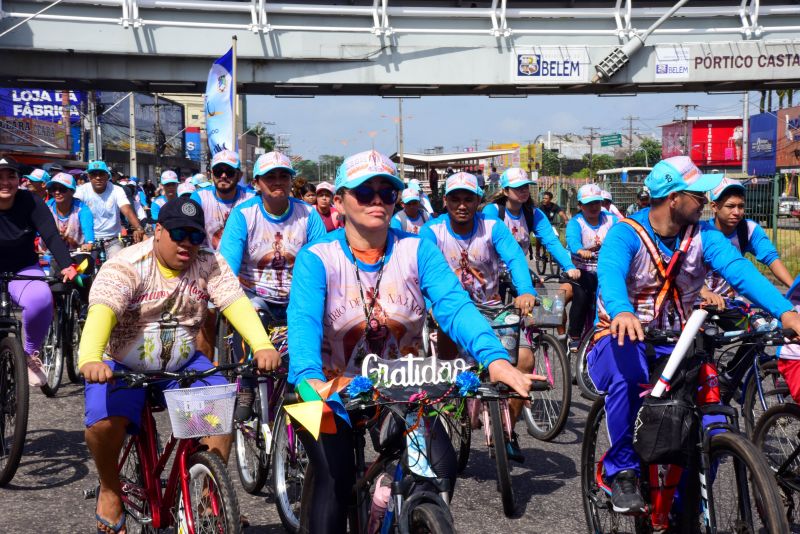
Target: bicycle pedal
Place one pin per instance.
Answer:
(90, 493)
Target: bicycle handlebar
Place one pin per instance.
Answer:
(141, 378)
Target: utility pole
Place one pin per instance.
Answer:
(158, 134)
(746, 132)
(592, 135)
(132, 135)
(685, 108)
(94, 150)
(630, 120)
(400, 135)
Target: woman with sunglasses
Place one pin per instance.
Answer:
(260, 242)
(73, 218)
(363, 289)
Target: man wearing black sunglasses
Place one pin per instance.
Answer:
(261, 240)
(146, 307)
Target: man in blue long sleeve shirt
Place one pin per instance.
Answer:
(634, 277)
(474, 245)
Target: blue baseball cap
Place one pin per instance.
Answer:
(676, 174)
(725, 185)
(363, 166)
(462, 180)
(589, 193)
(133, 179)
(272, 161)
(38, 175)
(98, 165)
(515, 177)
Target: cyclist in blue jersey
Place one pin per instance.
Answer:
(169, 184)
(651, 269)
(363, 289)
(260, 243)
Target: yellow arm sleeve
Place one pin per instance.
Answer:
(244, 319)
(100, 321)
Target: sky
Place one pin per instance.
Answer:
(344, 125)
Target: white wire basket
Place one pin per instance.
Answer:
(201, 411)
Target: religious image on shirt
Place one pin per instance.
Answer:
(379, 335)
(471, 278)
(222, 216)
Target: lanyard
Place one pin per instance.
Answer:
(367, 311)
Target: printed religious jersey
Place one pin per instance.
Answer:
(758, 245)
(217, 211)
(330, 335)
(583, 235)
(542, 229)
(77, 227)
(261, 248)
(475, 258)
(159, 318)
(629, 280)
(401, 221)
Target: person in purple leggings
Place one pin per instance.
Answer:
(22, 216)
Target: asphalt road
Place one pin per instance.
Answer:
(46, 495)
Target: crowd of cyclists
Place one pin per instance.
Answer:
(355, 267)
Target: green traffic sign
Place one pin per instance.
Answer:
(611, 140)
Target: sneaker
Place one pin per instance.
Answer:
(244, 405)
(36, 375)
(625, 496)
(513, 450)
(574, 344)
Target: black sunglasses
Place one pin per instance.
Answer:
(365, 194)
(95, 174)
(196, 237)
(219, 170)
(58, 189)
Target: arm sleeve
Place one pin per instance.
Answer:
(154, 209)
(613, 264)
(87, 223)
(100, 321)
(574, 240)
(427, 234)
(511, 253)
(396, 224)
(142, 198)
(761, 247)
(741, 273)
(306, 307)
(43, 221)
(234, 240)
(243, 317)
(544, 233)
(453, 309)
(196, 197)
(491, 211)
(316, 228)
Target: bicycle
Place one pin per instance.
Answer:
(14, 388)
(197, 496)
(733, 490)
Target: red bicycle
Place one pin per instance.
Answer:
(197, 496)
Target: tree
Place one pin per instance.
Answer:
(599, 162)
(266, 140)
(647, 155)
(307, 169)
(550, 165)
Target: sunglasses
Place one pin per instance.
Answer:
(221, 170)
(365, 194)
(95, 174)
(58, 189)
(698, 197)
(196, 237)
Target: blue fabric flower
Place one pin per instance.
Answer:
(358, 386)
(467, 383)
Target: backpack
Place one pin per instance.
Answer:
(527, 211)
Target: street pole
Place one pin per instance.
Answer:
(746, 133)
(132, 135)
(591, 149)
(630, 120)
(158, 134)
(686, 141)
(400, 151)
(94, 152)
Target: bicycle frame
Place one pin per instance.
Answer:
(152, 466)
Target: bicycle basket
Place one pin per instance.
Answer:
(549, 308)
(664, 430)
(201, 411)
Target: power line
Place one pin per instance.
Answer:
(630, 120)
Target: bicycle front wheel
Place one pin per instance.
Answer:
(777, 436)
(134, 493)
(211, 501)
(52, 355)
(499, 440)
(252, 457)
(773, 391)
(548, 410)
(742, 491)
(289, 462)
(541, 262)
(429, 518)
(457, 424)
(585, 384)
(13, 407)
(71, 338)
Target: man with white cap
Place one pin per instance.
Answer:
(260, 243)
(200, 181)
(108, 204)
(474, 245)
(169, 184)
(651, 269)
(37, 182)
(328, 214)
(424, 201)
(411, 218)
(608, 204)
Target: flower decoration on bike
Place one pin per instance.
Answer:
(467, 383)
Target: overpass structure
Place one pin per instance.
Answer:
(400, 48)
